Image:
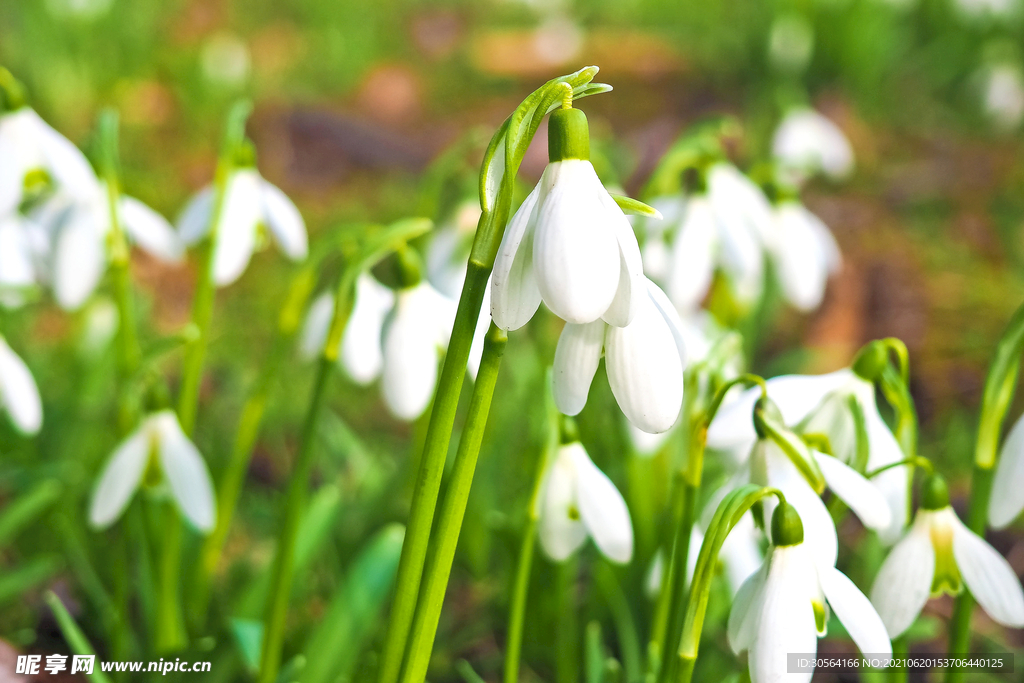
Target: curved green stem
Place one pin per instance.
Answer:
(435, 583)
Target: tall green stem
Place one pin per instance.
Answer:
(428, 612)
(170, 630)
(295, 502)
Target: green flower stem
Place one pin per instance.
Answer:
(230, 487)
(438, 570)
(898, 674)
(73, 635)
(431, 467)
(567, 636)
(170, 629)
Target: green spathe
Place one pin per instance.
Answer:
(568, 135)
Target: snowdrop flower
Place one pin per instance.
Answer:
(448, 253)
(80, 231)
(33, 153)
(19, 395)
(569, 244)
(1007, 497)
(19, 270)
(645, 362)
(784, 606)
(250, 204)
(941, 555)
(821, 404)
(769, 465)
(393, 335)
(579, 500)
(804, 252)
(806, 143)
(158, 451)
(1003, 96)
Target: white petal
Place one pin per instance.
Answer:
(632, 283)
(194, 221)
(806, 141)
(361, 353)
(514, 294)
(186, 473)
(560, 530)
(988, 576)
(576, 359)
(79, 259)
(904, 581)
(861, 495)
(693, 255)
(19, 394)
(285, 222)
(410, 358)
(602, 509)
(576, 257)
(746, 609)
(14, 143)
(787, 619)
(741, 552)
(236, 229)
(1007, 499)
(65, 162)
(855, 612)
(316, 326)
(120, 478)
(884, 450)
(645, 369)
(16, 268)
(801, 263)
(151, 231)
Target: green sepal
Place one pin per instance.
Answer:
(787, 527)
(934, 493)
(635, 207)
(568, 135)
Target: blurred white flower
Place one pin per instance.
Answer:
(804, 252)
(225, 60)
(570, 245)
(579, 500)
(448, 253)
(250, 204)
(819, 404)
(784, 608)
(939, 554)
(19, 395)
(1007, 497)
(986, 9)
(33, 153)
(19, 270)
(806, 143)
(1003, 96)
(79, 9)
(99, 327)
(393, 335)
(645, 362)
(790, 43)
(157, 451)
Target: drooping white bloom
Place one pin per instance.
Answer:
(806, 143)
(820, 404)
(939, 554)
(784, 607)
(1007, 497)
(790, 42)
(804, 252)
(569, 245)
(448, 253)
(579, 500)
(1003, 96)
(645, 362)
(28, 145)
(250, 204)
(80, 230)
(19, 258)
(394, 335)
(19, 395)
(770, 466)
(157, 449)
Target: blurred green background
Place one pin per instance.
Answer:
(353, 99)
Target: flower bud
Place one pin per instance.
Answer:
(787, 529)
(568, 135)
(871, 360)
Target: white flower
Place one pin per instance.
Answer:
(80, 230)
(570, 245)
(158, 448)
(29, 145)
(645, 362)
(986, 9)
(1003, 96)
(448, 253)
(784, 607)
(579, 500)
(19, 395)
(806, 143)
(250, 203)
(939, 554)
(396, 335)
(1007, 497)
(18, 259)
(820, 404)
(770, 466)
(804, 252)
